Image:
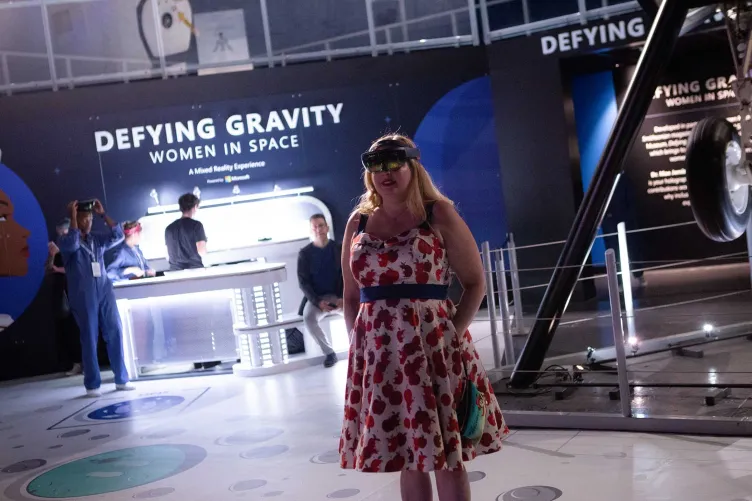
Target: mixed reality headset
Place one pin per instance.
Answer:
(388, 159)
(85, 206)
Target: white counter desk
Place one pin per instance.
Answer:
(214, 314)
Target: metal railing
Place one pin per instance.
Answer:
(502, 269)
(37, 49)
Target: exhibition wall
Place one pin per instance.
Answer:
(537, 136)
(134, 146)
(512, 132)
(696, 84)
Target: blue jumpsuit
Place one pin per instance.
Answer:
(126, 257)
(92, 301)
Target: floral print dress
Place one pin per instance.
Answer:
(405, 367)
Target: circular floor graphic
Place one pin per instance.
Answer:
(115, 471)
(532, 493)
(136, 408)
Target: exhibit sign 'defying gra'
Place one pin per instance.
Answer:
(160, 137)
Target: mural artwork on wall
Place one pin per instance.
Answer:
(22, 246)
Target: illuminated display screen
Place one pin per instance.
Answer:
(237, 226)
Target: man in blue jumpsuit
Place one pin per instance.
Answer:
(90, 293)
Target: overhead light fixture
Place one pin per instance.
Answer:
(708, 328)
(235, 199)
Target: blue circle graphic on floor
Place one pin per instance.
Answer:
(115, 471)
(136, 408)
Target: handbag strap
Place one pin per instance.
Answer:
(462, 352)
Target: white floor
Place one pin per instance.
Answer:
(225, 438)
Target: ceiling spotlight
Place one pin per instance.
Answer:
(708, 328)
(633, 341)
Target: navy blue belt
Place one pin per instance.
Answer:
(404, 291)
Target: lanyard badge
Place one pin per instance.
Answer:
(96, 268)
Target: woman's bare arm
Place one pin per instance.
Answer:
(464, 259)
(351, 295)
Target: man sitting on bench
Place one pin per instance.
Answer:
(320, 279)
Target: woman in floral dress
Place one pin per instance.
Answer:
(410, 347)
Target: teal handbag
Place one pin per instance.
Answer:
(471, 409)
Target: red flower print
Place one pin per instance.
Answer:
(429, 397)
(412, 370)
(442, 312)
(388, 277)
(395, 464)
(382, 341)
(407, 270)
(409, 401)
(428, 316)
(414, 346)
(384, 318)
(439, 364)
(486, 440)
(422, 420)
(392, 423)
(399, 376)
(368, 279)
(350, 413)
(421, 272)
(359, 265)
(385, 258)
(401, 335)
(452, 445)
(395, 397)
(374, 467)
(437, 441)
(378, 406)
(491, 419)
(446, 400)
(453, 425)
(432, 338)
(424, 247)
(355, 397)
(409, 316)
(392, 303)
(420, 442)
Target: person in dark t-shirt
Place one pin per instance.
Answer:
(320, 279)
(185, 238)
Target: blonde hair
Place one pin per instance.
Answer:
(420, 191)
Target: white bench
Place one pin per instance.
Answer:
(264, 345)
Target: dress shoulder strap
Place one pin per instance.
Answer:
(429, 212)
(362, 223)
(426, 224)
